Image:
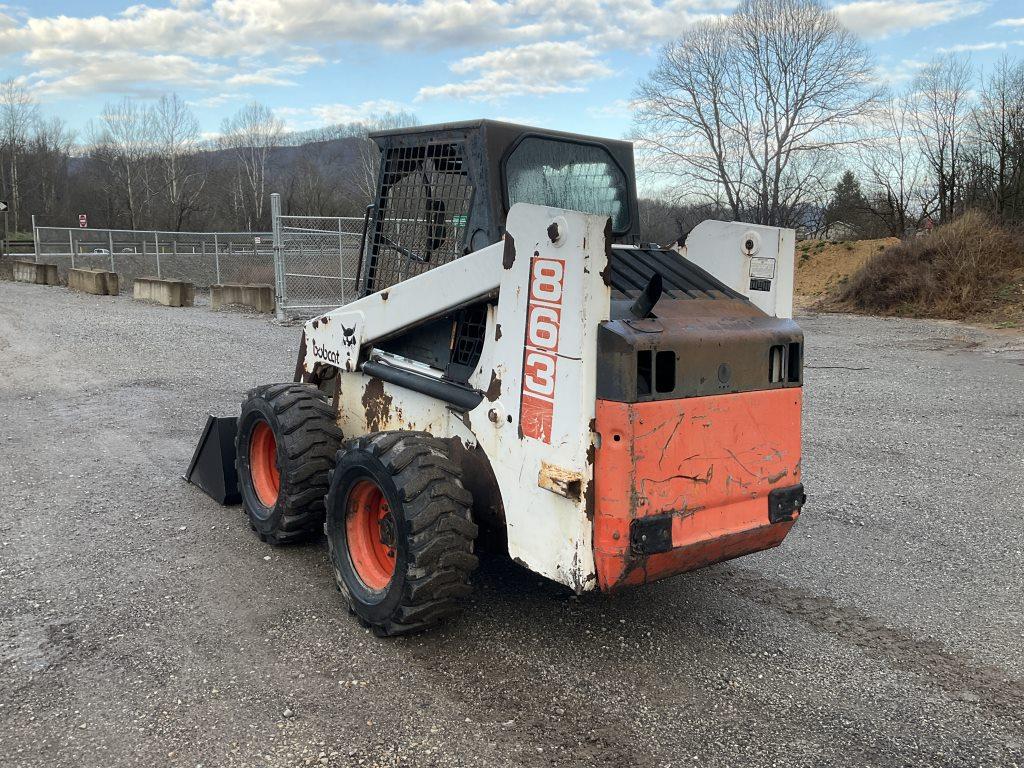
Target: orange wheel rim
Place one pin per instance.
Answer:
(266, 475)
(371, 535)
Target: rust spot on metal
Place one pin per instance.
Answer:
(316, 324)
(383, 295)
(563, 482)
(494, 388)
(777, 476)
(589, 497)
(497, 331)
(553, 231)
(606, 273)
(377, 405)
(593, 425)
(699, 479)
(591, 454)
(325, 319)
(508, 255)
(300, 362)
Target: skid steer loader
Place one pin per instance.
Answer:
(517, 358)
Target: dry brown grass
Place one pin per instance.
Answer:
(969, 268)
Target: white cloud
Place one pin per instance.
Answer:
(619, 108)
(881, 18)
(536, 69)
(332, 114)
(219, 100)
(320, 115)
(888, 73)
(65, 73)
(1010, 22)
(250, 38)
(1001, 45)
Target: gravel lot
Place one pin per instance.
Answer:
(142, 624)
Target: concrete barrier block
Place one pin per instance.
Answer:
(26, 271)
(258, 297)
(99, 282)
(170, 293)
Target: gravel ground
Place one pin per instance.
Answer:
(142, 624)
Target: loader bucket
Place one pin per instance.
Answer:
(212, 468)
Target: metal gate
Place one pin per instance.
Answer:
(317, 260)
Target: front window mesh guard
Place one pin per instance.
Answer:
(422, 212)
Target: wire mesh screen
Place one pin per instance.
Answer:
(319, 262)
(201, 258)
(422, 212)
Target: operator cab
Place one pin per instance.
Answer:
(445, 190)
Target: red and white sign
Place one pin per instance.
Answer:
(82, 221)
(540, 357)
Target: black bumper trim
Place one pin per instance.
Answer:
(784, 504)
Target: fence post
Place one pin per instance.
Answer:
(156, 237)
(275, 222)
(216, 256)
(35, 240)
(110, 242)
(71, 246)
(341, 261)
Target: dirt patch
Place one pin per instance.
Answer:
(823, 265)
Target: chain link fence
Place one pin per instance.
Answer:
(202, 258)
(319, 264)
(312, 261)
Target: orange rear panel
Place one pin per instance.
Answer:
(710, 462)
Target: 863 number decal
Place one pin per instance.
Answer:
(540, 357)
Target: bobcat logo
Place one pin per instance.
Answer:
(348, 336)
(330, 355)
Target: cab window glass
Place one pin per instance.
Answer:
(564, 174)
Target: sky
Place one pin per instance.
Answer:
(563, 64)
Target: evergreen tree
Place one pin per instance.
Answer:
(848, 206)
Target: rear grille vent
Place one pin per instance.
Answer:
(785, 363)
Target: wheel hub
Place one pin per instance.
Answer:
(263, 466)
(371, 534)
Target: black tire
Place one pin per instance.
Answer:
(430, 537)
(306, 438)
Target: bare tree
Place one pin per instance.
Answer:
(18, 113)
(179, 175)
(941, 110)
(998, 128)
(47, 164)
(123, 142)
(745, 107)
(893, 167)
(252, 133)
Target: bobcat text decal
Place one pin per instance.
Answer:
(540, 357)
(324, 353)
